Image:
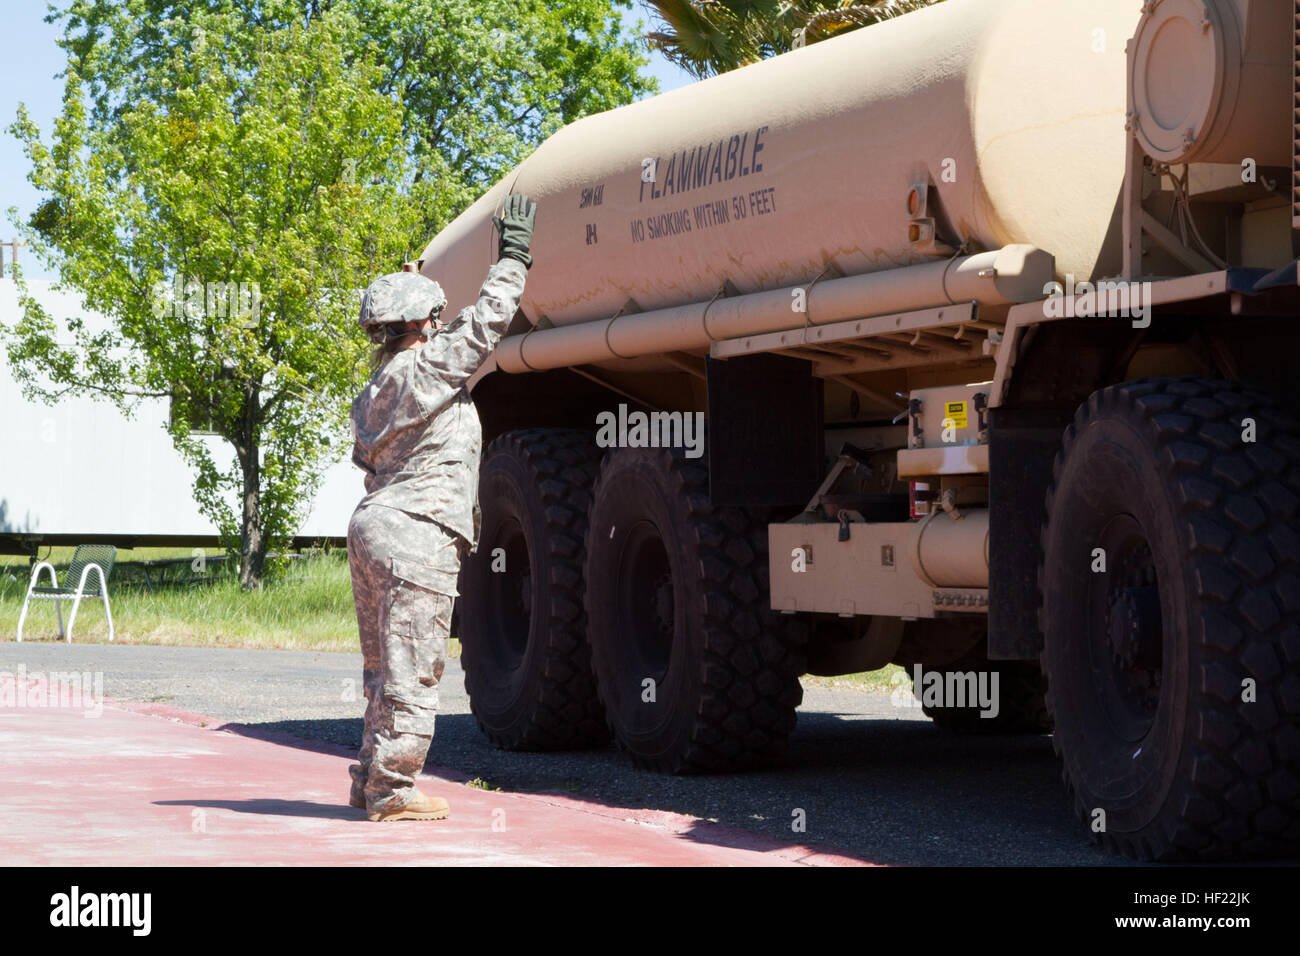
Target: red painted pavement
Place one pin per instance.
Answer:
(143, 784)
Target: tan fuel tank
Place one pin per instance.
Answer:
(1012, 109)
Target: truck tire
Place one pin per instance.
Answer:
(677, 595)
(1022, 703)
(1150, 663)
(524, 629)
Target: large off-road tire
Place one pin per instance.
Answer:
(523, 627)
(1174, 674)
(1021, 697)
(695, 670)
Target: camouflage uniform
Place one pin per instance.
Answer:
(418, 438)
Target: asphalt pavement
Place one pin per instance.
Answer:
(864, 776)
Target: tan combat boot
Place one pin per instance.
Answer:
(420, 807)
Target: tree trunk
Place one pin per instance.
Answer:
(252, 537)
(252, 542)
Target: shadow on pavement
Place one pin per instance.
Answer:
(888, 791)
(273, 807)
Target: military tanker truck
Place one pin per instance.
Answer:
(966, 342)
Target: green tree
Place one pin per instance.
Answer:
(210, 140)
(706, 37)
(283, 177)
(481, 82)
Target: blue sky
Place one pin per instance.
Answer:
(31, 58)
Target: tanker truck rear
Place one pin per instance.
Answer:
(965, 342)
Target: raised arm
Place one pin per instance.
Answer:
(457, 351)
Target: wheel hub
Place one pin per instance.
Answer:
(525, 591)
(1130, 649)
(663, 604)
(646, 606)
(510, 605)
(1134, 628)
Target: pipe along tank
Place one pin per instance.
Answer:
(841, 255)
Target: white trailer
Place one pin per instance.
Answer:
(80, 471)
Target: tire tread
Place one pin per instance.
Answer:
(1236, 797)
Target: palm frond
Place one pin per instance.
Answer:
(705, 37)
(826, 23)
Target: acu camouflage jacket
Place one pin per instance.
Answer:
(416, 432)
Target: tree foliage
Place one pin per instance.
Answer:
(481, 82)
(285, 178)
(293, 147)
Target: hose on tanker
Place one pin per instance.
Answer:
(957, 254)
(807, 305)
(609, 325)
(522, 343)
(704, 317)
(1182, 208)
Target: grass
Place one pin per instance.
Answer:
(308, 608)
(884, 681)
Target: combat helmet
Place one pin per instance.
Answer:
(397, 298)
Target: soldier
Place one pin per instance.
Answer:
(418, 439)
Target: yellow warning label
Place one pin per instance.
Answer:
(955, 411)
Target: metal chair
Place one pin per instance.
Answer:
(87, 559)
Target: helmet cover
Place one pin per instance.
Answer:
(398, 298)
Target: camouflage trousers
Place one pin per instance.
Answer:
(404, 572)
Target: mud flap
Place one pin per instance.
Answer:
(1023, 444)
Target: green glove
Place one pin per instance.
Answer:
(515, 226)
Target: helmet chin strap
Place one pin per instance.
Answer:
(434, 328)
